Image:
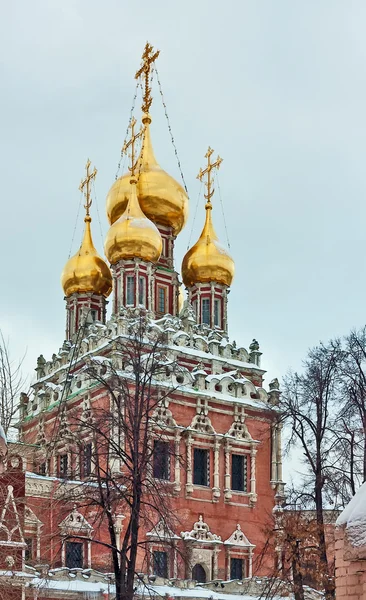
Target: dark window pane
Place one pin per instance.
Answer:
(42, 469)
(74, 555)
(29, 549)
(200, 466)
(130, 290)
(161, 299)
(160, 564)
(236, 568)
(142, 295)
(161, 460)
(87, 460)
(238, 472)
(63, 464)
(217, 311)
(206, 311)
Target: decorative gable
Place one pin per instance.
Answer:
(10, 526)
(238, 538)
(238, 429)
(75, 523)
(201, 533)
(201, 422)
(162, 416)
(161, 531)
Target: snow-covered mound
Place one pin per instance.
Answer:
(354, 517)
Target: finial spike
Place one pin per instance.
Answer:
(207, 170)
(148, 58)
(85, 183)
(131, 142)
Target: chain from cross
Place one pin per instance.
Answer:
(85, 183)
(131, 142)
(208, 169)
(148, 58)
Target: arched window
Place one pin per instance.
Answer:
(198, 574)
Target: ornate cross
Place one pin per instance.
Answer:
(148, 58)
(85, 183)
(208, 169)
(131, 142)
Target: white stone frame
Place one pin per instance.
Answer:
(162, 538)
(76, 526)
(32, 527)
(235, 547)
(201, 543)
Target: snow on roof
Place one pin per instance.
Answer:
(354, 517)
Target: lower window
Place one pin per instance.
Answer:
(74, 555)
(160, 565)
(29, 549)
(236, 568)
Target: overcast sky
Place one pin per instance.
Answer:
(276, 87)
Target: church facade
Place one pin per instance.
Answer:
(220, 451)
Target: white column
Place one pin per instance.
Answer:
(214, 562)
(253, 498)
(250, 565)
(39, 542)
(279, 452)
(216, 488)
(89, 553)
(175, 561)
(227, 564)
(63, 552)
(224, 308)
(177, 462)
(227, 490)
(189, 485)
(137, 282)
(273, 453)
(212, 306)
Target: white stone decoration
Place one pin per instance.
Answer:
(162, 532)
(201, 533)
(238, 538)
(14, 535)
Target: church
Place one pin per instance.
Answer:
(214, 437)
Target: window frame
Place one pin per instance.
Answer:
(68, 544)
(142, 291)
(164, 289)
(165, 467)
(206, 467)
(243, 476)
(235, 560)
(86, 459)
(130, 290)
(63, 465)
(206, 312)
(217, 312)
(157, 564)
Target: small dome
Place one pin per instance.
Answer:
(207, 260)
(133, 235)
(86, 271)
(161, 197)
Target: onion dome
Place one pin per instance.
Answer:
(161, 197)
(207, 260)
(86, 271)
(133, 235)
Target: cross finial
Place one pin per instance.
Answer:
(131, 142)
(207, 170)
(148, 58)
(85, 183)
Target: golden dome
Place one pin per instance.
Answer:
(133, 235)
(207, 260)
(86, 271)
(162, 199)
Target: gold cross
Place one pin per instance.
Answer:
(86, 183)
(131, 142)
(208, 169)
(148, 58)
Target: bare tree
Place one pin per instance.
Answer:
(11, 384)
(308, 403)
(353, 410)
(132, 435)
